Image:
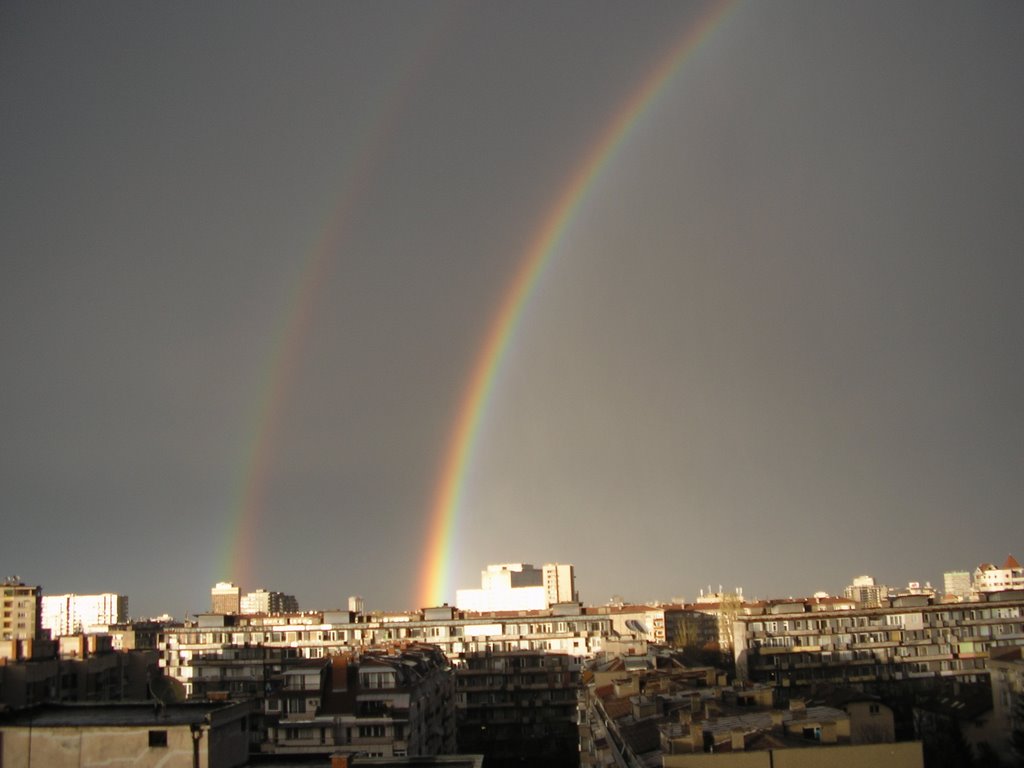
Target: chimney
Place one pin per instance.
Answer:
(777, 718)
(798, 707)
(738, 743)
(828, 732)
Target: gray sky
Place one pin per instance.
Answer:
(779, 346)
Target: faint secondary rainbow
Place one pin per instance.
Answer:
(435, 575)
(377, 128)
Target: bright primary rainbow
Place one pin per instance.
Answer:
(445, 512)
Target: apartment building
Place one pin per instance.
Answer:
(518, 707)
(21, 611)
(225, 597)
(381, 703)
(73, 614)
(236, 654)
(988, 578)
(672, 625)
(804, 642)
(519, 587)
(264, 601)
(866, 593)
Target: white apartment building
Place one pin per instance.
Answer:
(262, 601)
(560, 583)
(225, 597)
(230, 653)
(957, 584)
(75, 614)
(866, 592)
(989, 578)
(519, 587)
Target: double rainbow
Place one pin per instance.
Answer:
(448, 499)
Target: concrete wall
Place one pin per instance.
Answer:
(905, 754)
(96, 748)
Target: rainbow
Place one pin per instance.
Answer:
(253, 472)
(447, 504)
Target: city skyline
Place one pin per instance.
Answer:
(254, 256)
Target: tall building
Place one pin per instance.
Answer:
(262, 601)
(560, 583)
(22, 611)
(74, 614)
(865, 592)
(957, 584)
(225, 597)
(519, 587)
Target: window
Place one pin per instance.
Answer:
(158, 738)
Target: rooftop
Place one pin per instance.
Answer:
(141, 713)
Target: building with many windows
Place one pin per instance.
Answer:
(519, 587)
(865, 592)
(518, 707)
(796, 643)
(383, 703)
(988, 578)
(956, 586)
(225, 597)
(73, 614)
(21, 612)
(262, 601)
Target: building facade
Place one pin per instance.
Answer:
(263, 601)
(866, 593)
(379, 703)
(97, 736)
(988, 578)
(802, 643)
(519, 587)
(21, 611)
(225, 597)
(518, 707)
(73, 614)
(237, 654)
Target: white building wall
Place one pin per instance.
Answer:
(72, 614)
(509, 599)
(560, 583)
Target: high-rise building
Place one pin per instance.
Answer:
(21, 610)
(225, 597)
(74, 614)
(865, 592)
(957, 584)
(262, 601)
(560, 583)
(519, 587)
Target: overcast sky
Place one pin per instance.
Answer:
(780, 345)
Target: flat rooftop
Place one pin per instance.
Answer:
(116, 714)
